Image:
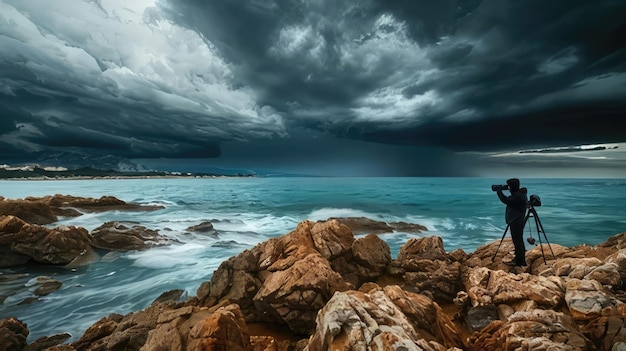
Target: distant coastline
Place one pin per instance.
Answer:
(91, 173)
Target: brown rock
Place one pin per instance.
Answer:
(294, 296)
(223, 330)
(494, 287)
(588, 299)
(117, 236)
(383, 319)
(31, 212)
(364, 225)
(428, 269)
(45, 210)
(60, 245)
(13, 334)
(47, 342)
(534, 330)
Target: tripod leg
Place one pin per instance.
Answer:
(539, 236)
(539, 225)
(501, 240)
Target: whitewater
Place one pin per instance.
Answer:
(246, 211)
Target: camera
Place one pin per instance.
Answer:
(534, 200)
(498, 186)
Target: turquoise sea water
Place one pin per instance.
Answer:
(246, 211)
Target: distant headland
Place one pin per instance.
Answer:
(36, 172)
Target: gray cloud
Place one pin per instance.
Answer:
(188, 78)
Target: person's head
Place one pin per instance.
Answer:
(513, 184)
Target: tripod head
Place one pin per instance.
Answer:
(534, 201)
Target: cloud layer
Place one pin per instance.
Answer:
(185, 78)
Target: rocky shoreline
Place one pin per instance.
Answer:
(320, 287)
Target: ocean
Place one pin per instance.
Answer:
(246, 211)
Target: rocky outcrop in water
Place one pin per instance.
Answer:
(47, 209)
(119, 236)
(319, 288)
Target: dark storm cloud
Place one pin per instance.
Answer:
(445, 73)
(186, 78)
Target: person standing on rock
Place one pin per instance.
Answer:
(515, 210)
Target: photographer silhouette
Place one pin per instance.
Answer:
(514, 216)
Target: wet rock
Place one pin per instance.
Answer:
(59, 246)
(364, 225)
(45, 285)
(47, 342)
(13, 334)
(204, 228)
(118, 236)
(45, 210)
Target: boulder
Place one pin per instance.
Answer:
(295, 295)
(118, 236)
(493, 287)
(204, 228)
(532, 330)
(288, 279)
(364, 225)
(59, 246)
(223, 330)
(383, 319)
(428, 269)
(13, 334)
(45, 210)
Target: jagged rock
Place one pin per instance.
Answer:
(223, 330)
(29, 211)
(291, 277)
(294, 296)
(493, 287)
(428, 269)
(383, 319)
(117, 236)
(588, 299)
(532, 330)
(47, 342)
(13, 334)
(45, 210)
(60, 245)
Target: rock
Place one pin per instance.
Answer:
(8, 258)
(532, 330)
(223, 330)
(48, 286)
(45, 210)
(428, 269)
(383, 319)
(493, 287)
(290, 278)
(46, 342)
(13, 334)
(588, 300)
(364, 225)
(28, 211)
(204, 228)
(117, 236)
(59, 246)
(294, 296)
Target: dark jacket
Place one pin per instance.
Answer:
(515, 205)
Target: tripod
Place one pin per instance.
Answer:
(531, 212)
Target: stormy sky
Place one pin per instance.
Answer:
(320, 87)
